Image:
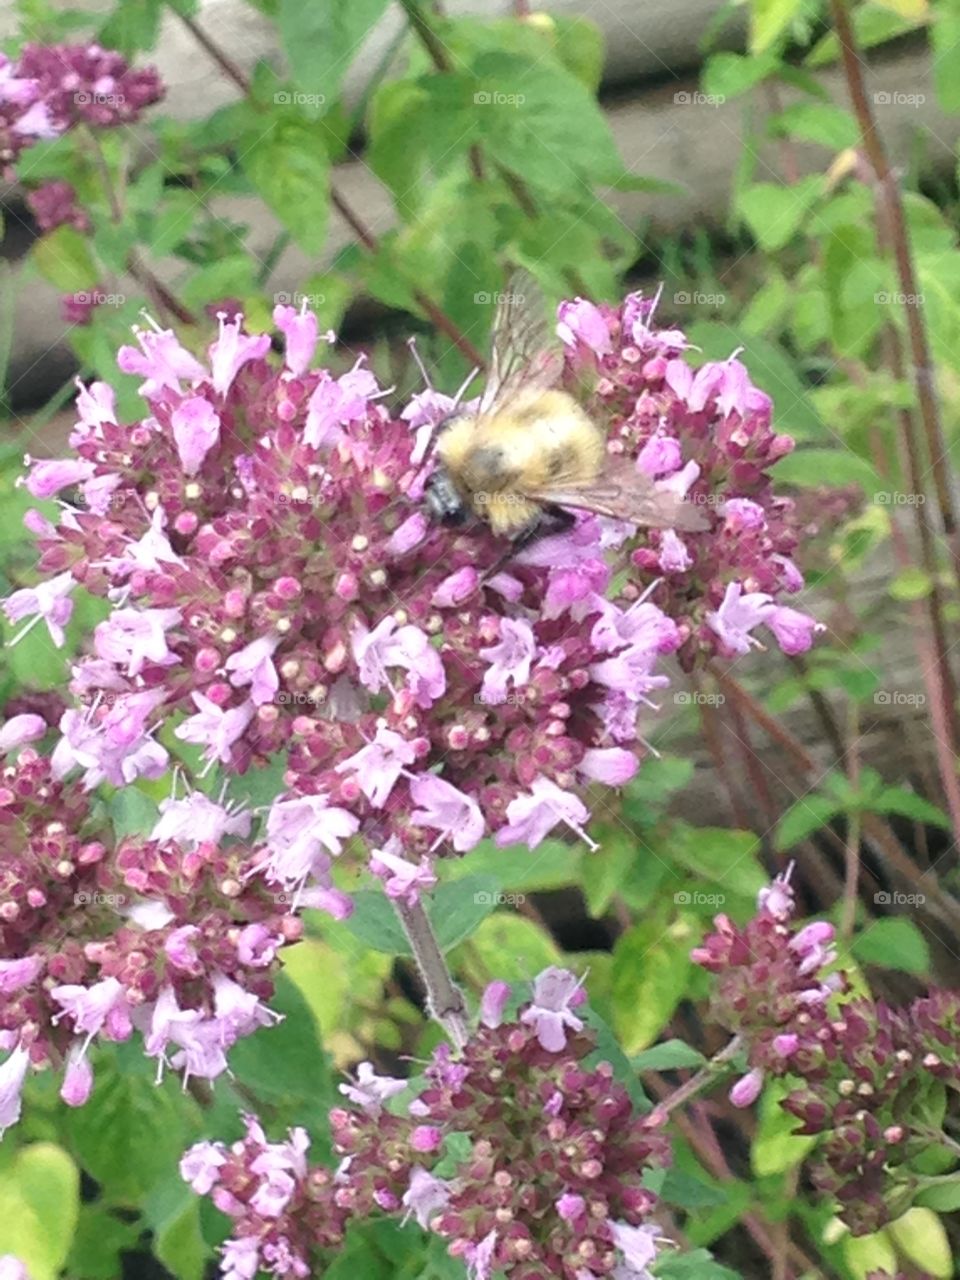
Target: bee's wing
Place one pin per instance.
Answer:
(624, 493)
(525, 354)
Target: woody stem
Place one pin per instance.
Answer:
(445, 1000)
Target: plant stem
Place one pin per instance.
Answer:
(445, 1001)
(851, 860)
(702, 1079)
(892, 203)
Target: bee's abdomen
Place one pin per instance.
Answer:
(487, 467)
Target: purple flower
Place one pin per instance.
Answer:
(581, 321)
(135, 637)
(402, 879)
(78, 1078)
(424, 1196)
(46, 479)
(232, 350)
(54, 204)
(371, 1091)
(388, 645)
(530, 818)
(660, 456)
(494, 1001)
(215, 728)
(195, 819)
(738, 615)
(378, 765)
(12, 1075)
(747, 1089)
(300, 830)
(201, 1164)
(253, 666)
(100, 1008)
(794, 630)
(509, 659)
(674, 556)
(300, 330)
(196, 429)
(613, 766)
(452, 812)
(479, 1258)
(554, 991)
(639, 1248)
(161, 360)
(337, 402)
(19, 973)
(19, 730)
(48, 600)
(570, 1207)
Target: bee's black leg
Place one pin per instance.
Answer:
(551, 521)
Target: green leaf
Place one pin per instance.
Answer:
(322, 40)
(872, 25)
(944, 1197)
(920, 1236)
(375, 923)
(39, 1206)
(63, 257)
(132, 27)
(818, 122)
(812, 467)
(909, 805)
(695, 1264)
(913, 583)
(726, 75)
(512, 947)
(579, 46)
(775, 1146)
(180, 1245)
(288, 165)
(651, 966)
(286, 1064)
(133, 1131)
(893, 943)
(100, 1238)
(608, 1050)
(132, 813)
(668, 1056)
(769, 19)
(809, 814)
(775, 213)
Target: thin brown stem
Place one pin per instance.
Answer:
(703, 1079)
(851, 860)
(890, 197)
(445, 1000)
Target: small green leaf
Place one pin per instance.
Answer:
(820, 122)
(651, 965)
(39, 1206)
(775, 213)
(920, 1236)
(668, 1056)
(893, 943)
(769, 19)
(809, 814)
(693, 1264)
(944, 1197)
(909, 805)
(322, 40)
(288, 164)
(911, 584)
(775, 1146)
(63, 257)
(726, 75)
(811, 467)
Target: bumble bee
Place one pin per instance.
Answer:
(530, 455)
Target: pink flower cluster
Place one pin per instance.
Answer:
(171, 937)
(276, 587)
(53, 88)
(706, 435)
(542, 1157)
(877, 1085)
